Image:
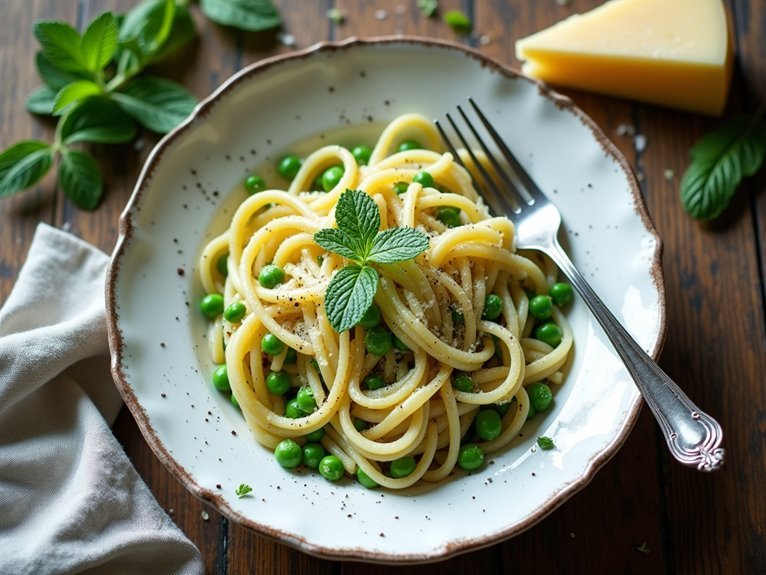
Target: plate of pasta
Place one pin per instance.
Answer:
(309, 297)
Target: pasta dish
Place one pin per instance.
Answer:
(430, 349)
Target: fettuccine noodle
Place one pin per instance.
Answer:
(432, 304)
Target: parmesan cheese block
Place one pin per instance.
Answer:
(673, 53)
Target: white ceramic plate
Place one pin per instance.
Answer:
(156, 333)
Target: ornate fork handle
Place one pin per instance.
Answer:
(694, 437)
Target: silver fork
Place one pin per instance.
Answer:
(694, 438)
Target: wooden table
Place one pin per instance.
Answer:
(642, 512)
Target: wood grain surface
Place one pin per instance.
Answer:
(642, 513)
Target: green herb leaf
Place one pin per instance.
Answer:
(337, 241)
(146, 28)
(73, 93)
(252, 15)
(397, 244)
(458, 21)
(80, 179)
(61, 45)
(545, 443)
(41, 101)
(242, 490)
(349, 294)
(97, 120)
(99, 42)
(428, 7)
(22, 165)
(181, 33)
(157, 104)
(357, 214)
(720, 160)
(53, 76)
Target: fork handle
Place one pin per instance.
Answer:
(693, 436)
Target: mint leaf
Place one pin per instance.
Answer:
(181, 33)
(53, 76)
(22, 165)
(720, 160)
(458, 21)
(397, 244)
(61, 45)
(145, 29)
(428, 7)
(252, 15)
(357, 214)
(41, 101)
(157, 104)
(80, 179)
(349, 294)
(337, 241)
(99, 42)
(73, 93)
(97, 120)
(545, 442)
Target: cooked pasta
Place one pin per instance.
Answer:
(393, 415)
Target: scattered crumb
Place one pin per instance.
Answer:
(669, 174)
(625, 130)
(484, 40)
(286, 39)
(644, 548)
(571, 534)
(205, 515)
(336, 16)
(381, 14)
(563, 2)
(171, 511)
(139, 144)
(67, 227)
(639, 141)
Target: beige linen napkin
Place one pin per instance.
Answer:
(70, 501)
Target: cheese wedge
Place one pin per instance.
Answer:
(675, 53)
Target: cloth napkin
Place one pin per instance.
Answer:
(70, 501)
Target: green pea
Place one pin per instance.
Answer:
(531, 413)
(408, 145)
(540, 307)
(402, 467)
(449, 216)
(470, 457)
(401, 188)
(235, 312)
(424, 179)
(462, 382)
(211, 305)
(222, 264)
(502, 408)
(378, 340)
(493, 307)
(373, 382)
(561, 293)
(288, 453)
(331, 468)
(488, 424)
(315, 436)
(305, 399)
(234, 401)
(221, 378)
(272, 345)
(549, 333)
(289, 165)
(271, 276)
(293, 410)
(313, 454)
(291, 356)
(399, 344)
(278, 382)
(365, 479)
(254, 184)
(331, 176)
(362, 154)
(540, 396)
(371, 317)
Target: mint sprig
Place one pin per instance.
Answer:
(358, 238)
(720, 161)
